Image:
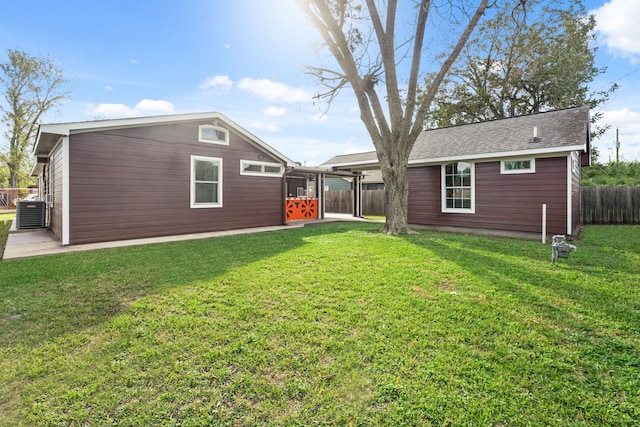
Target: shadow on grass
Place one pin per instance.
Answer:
(579, 301)
(47, 297)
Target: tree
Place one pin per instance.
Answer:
(530, 57)
(370, 52)
(33, 85)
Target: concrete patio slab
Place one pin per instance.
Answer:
(38, 242)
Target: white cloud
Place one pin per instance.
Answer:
(274, 91)
(155, 106)
(266, 126)
(108, 88)
(217, 82)
(133, 61)
(274, 111)
(617, 23)
(110, 110)
(144, 107)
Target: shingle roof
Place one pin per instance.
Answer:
(367, 157)
(558, 130)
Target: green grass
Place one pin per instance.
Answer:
(333, 324)
(5, 225)
(375, 217)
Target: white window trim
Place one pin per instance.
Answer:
(244, 163)
(193, 183)
(443, 189)
(504, 171)
(211, 141)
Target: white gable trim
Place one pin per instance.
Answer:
(499, 155)
(66, 129)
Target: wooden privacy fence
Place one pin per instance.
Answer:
(341, 201)
(610, 205)
(599, 205)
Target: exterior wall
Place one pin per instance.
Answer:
(135, 183)
(55, 175)
(511, 202)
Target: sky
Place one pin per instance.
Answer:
(245, 59)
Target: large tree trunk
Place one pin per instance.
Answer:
(393, 165)
(396, 196)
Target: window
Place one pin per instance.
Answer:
(213, 134)
(249, 167)
(518, 166)
(206, 182)
(458, 187)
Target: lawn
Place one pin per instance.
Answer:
(333, 324)
(5, 225)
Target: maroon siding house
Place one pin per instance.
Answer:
(496, 175)
(155, 176)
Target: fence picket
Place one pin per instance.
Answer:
(610, 205)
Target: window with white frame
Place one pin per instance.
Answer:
(213, 134)
(458, 187)
(518, 166)
(206, 182)
(250, 167)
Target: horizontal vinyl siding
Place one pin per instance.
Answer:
(511, 202)
(135, 183)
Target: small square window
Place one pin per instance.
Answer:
(518, 166)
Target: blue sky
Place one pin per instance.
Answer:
(244, 58)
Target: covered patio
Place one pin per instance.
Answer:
(305, 188)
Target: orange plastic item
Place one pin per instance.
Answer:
(302, 209)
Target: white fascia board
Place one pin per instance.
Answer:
(88, 126)
(500, 155)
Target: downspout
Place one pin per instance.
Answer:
(283, 202)
(320, 192)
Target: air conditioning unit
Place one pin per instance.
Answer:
(30, 214)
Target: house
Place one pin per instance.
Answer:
(155, 176)
(496, 175)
